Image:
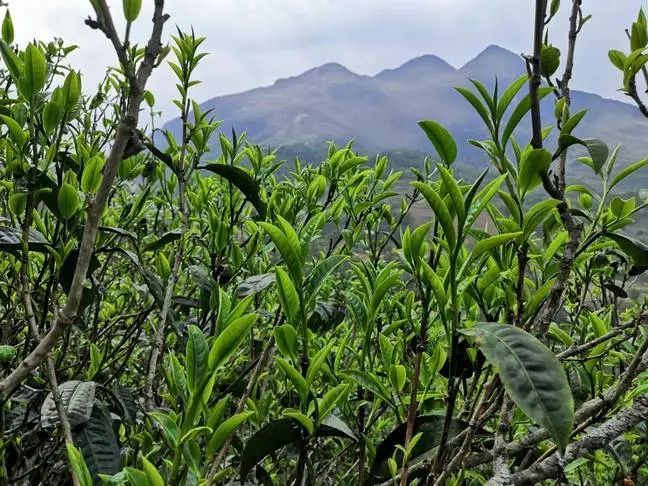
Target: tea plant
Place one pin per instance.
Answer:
(184, 308)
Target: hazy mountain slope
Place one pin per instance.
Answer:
(380, 112)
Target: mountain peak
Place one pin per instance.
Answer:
(494, 61)
(331, 71)
(425, 65)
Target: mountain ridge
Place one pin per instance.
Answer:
(332, 103)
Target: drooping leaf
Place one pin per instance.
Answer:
(77, 398)
(431, 428)
(334, 426)
(635, 249)
(243, 181)
(98, 442)
(531, 374)
(255, 284)
(267, 440)
(443, 142)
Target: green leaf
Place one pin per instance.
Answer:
(331, 398)
(152, 474)
(456, 196)
(441, 139)
(440, 210)
(7, 28)
(617, 58)
(288, 249)
(625, 172)
(243, 181)
(510, 93)
(34, 73)
(536, 163)
(488, 244)
(77, 398)
(197, 357)
(91, 177)
(288, 297)
(16, 131)
(319, 274)
(317, 362)
(435, 283)
(531, 374)
(52, 115)
(635, 249)
(286, 339)
(298, 381)
(132, 9)
(67, 201)
(11, 60)
(98, 442)
(478, 106)
(304, 420)
(369, 381)
(267, 440)
(71, 91)
(225, 430)
(79, 468)
(550, 60)
(520, 110)
(229, 339)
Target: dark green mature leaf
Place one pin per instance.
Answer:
(431, 428)
(597, 149)
(98, 442)
(77, 397)
(267, 440)
(163, 240)
(255, 284)
(334, 426)
(635, 249)
(10, 240)
(245, 183)
(531, 374)
(442, 140)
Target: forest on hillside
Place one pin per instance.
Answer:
(175, 315)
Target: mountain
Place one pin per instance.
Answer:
(380, 112)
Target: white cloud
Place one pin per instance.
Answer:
(254, 42)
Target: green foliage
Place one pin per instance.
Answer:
(316, 321)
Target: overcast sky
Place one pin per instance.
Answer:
(254, 42)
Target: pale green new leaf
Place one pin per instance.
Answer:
(229, 339)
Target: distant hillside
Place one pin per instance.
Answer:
(380, 112)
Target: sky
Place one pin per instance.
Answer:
(252, 43)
